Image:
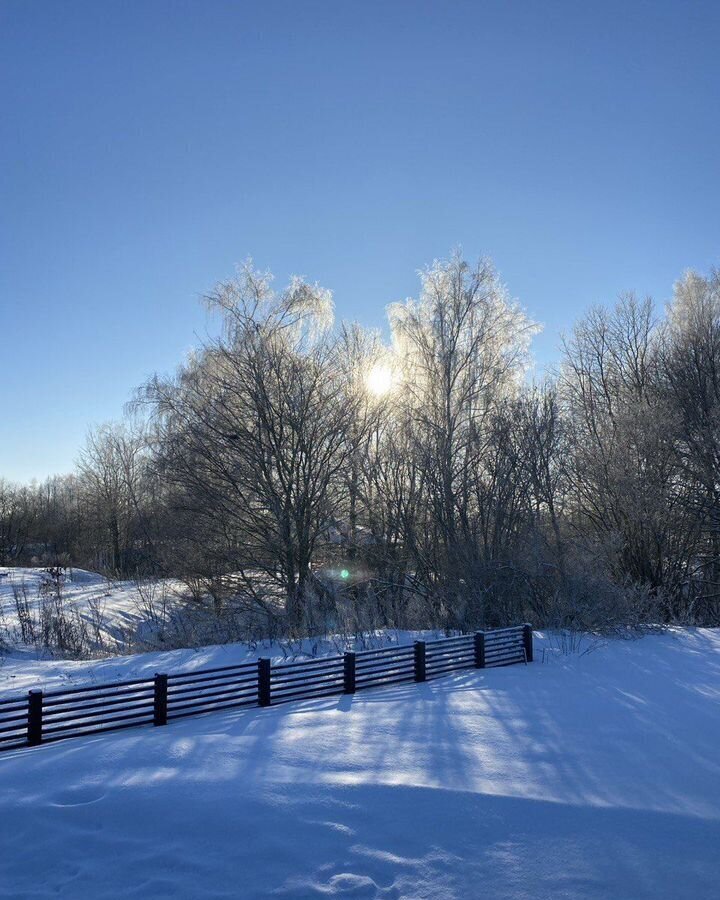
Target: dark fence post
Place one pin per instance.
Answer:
(160, 698)
(528, 641)
(349, 673)
(35, 710)
(263, 682)
(419, 660)
(479, 649)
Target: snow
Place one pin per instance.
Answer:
(587, 776)
(23, 667)
(125, 621)
(119, 603)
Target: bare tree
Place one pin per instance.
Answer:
(18, 514)
(112, 467)
(445, 488)
(627, 493)
(254, 434)
(691, 368)
(463, 350)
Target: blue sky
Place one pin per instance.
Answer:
(147, 147)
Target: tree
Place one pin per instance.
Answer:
(113, 467)
(18, 515)
(462, 348)
(626, 493)
(691, 369)
(255, 433)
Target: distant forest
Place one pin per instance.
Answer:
(295, 463)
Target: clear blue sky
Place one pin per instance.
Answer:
(146, 147)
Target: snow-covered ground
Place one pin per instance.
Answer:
(115, 611)
(124, 611)
(593, 775)
(121, 618)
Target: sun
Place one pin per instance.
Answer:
(379, 380)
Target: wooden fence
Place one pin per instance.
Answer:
(44, 717)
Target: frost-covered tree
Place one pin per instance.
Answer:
(254, 435)
(449, 489)
(462, 350)
(628, 496)
(691, 369)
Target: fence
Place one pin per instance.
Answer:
(45, 717)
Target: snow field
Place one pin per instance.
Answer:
(594, 776)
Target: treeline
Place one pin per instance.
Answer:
(295, 468)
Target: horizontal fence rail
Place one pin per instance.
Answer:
(43, 717)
